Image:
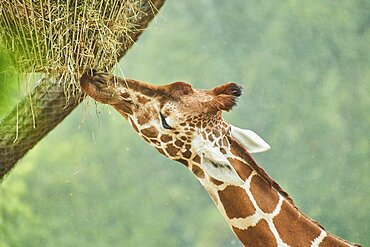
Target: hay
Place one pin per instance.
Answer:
(65, 37)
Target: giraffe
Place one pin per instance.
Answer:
(186, 125)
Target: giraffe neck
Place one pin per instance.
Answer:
(259, 212)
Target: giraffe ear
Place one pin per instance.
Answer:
(250, 140)
(226, 96)
(215, 163)
(220, 170)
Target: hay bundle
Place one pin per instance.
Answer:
(65, 37)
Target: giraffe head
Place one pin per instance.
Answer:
(183, 123)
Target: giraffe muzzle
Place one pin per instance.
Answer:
(93, 78)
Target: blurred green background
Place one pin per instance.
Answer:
(305, 69)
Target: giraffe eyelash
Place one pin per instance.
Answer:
(164, 123)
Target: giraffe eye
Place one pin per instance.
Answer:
(164, 123)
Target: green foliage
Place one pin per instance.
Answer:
(305, 70)
(9, 93)
(15, 214)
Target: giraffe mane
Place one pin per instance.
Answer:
(260, 171)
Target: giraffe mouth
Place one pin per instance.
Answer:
(97, 86)
(100, 80)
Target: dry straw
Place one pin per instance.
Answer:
(65, 37)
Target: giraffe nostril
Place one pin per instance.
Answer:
(99, 80)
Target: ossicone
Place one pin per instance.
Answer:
(226, 96)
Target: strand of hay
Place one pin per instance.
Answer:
(65, 37)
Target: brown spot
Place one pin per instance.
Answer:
(166, 138)
(225, 142)
(196, 159)
(266, 196)
(204, 135)
(295, 229)
(198, 124)
(210, 137)
(197, 172)
(142, 100)
(183, 138)
(223, 151)
(179, 143)
(172, 150)
(150, 132)
(259, 235)
(215, 181)
(134, 125)
(184, 162)
(330, 241)
(143, 118)
(219, 142)
(241, 168)
(236, 202)
(187, 154)
(216, 133)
